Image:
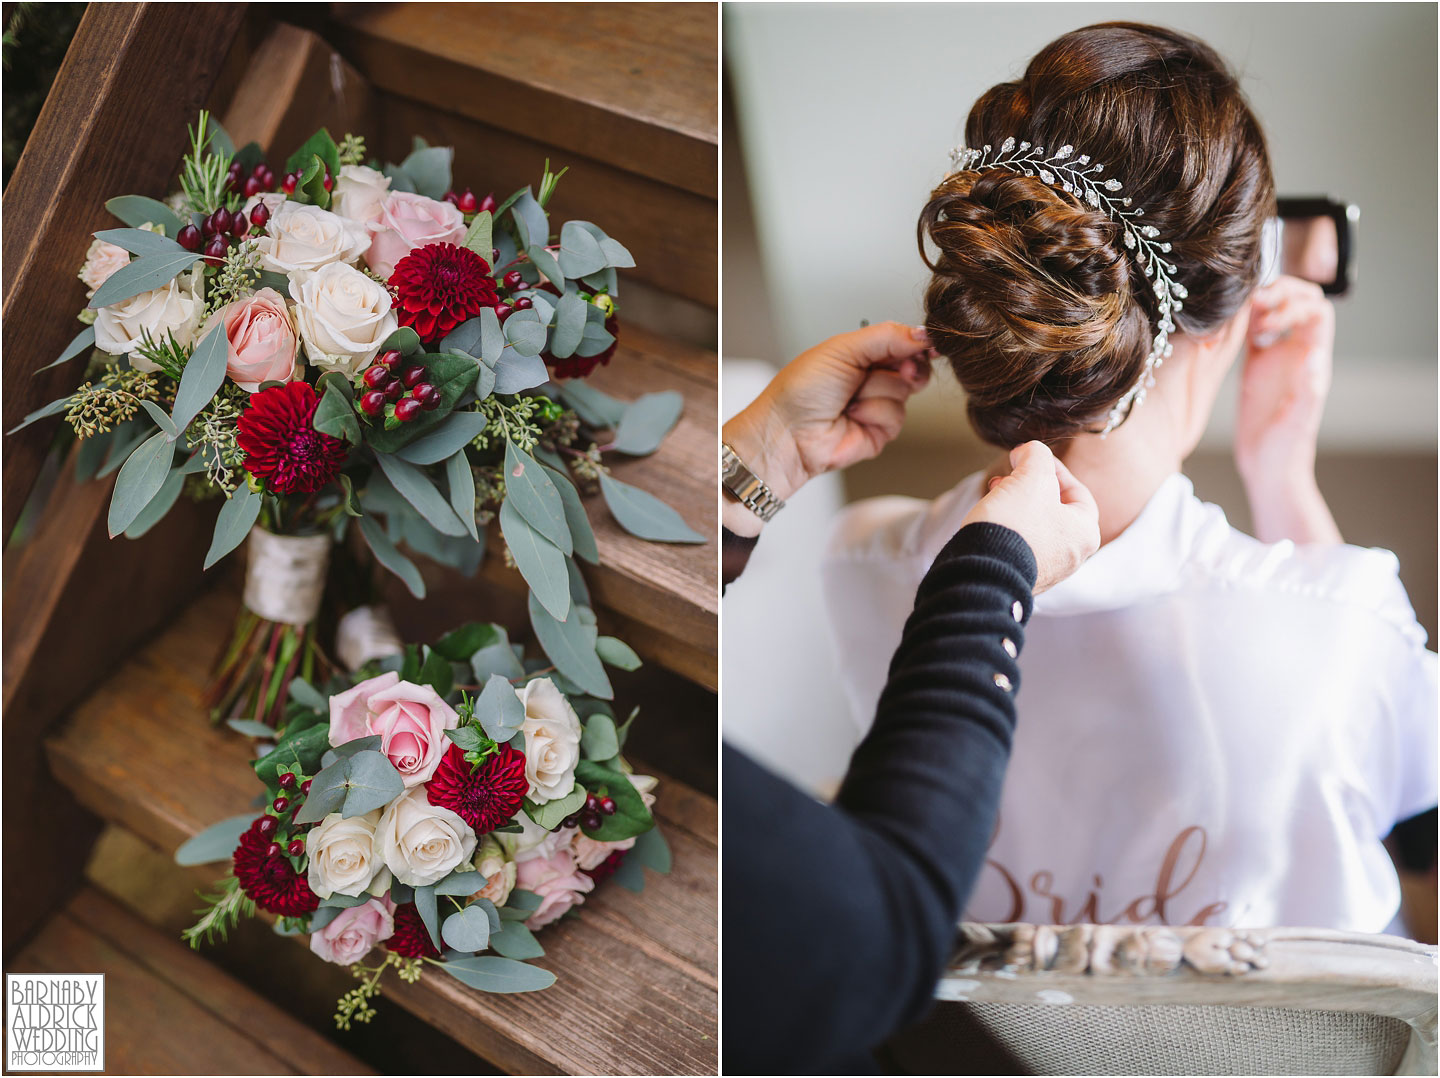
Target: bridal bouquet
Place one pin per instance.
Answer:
(403, 813)
(341, 342)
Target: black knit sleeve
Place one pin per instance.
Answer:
(839, 918)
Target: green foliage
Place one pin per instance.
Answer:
(204, 174)
(352, 150)
(238, 276)
(222, 912)
(213, 433)
(510, 421)
(98, 407)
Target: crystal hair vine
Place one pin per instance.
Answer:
(1078, 177)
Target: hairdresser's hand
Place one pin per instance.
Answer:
(839, 403)
(1291, 338)
(1051, 509)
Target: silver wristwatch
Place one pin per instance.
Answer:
(747, 486)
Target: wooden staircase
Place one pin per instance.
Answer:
(103, 715)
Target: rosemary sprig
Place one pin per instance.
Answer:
(204, 175)
(222, 912)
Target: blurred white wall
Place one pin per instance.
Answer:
(847, 112)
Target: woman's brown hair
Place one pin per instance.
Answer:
(1043, 314)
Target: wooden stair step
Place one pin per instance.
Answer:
(631, 85)
(168, 1010)
(660, 598)
(636, 990)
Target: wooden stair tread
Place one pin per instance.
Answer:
(637, 973)
(168, 1010)
(632, 85)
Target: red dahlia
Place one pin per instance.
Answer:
(580, 366)
(411, 938)
(282, 447)
(268, 878)
(485, 797)
(439, 286)
(606, 868)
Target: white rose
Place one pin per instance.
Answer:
(303, 237)
(422, 843)
(498, 870)
(176, 309)
(358, 193)
(343, 317)
(552, 740)
(342, 857)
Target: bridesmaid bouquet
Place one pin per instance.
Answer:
(341, 343)
(404, 813)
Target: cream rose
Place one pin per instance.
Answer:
(101, 260)
(175, 309)
(342, 858)
(552, 740)
(422, 843)
(303, 237)
(407, 221)
(498, 870)
(359, 192)
(531, 840)
(262, 340)
(354, 931)
(343, 317)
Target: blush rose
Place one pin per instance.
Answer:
(406, 221)
(262, 337)
(354, 931)
(410, 719)
(559, 883)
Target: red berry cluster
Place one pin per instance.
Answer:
(216, 231)
(589, 814)
(391, 381)
(260, 179)
(260, 859)
(466, 202)
(513, 282)
(292, 181)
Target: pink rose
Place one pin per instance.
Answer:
(407, 221)
(354, 931)
(590, 853)
(410, 719)
(263, 342)
(101, 260)
(558, 882)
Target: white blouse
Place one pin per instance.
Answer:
(1211, 729)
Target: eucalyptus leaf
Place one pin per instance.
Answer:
(540, 561)
(545, 262)
(642, 514)
(327, 792)
(597, 338)
(515, 373)
(615, 253)
(386, 554)
(460, 644)
(404, 340)
(646, 422)
(525, 901)
(582, 536)
(426, 906)
(497, 658)
(617, 653)
(571, 647)
(203, 376)
(514, 940)
(137, 210)
(525, 333)
(145, 274)
(319, 919)
(629, 875)
(535, 497)
(461, 481)
(53, 408)
(216, 843)
(596, 408)
(162, 418)
(302, 692)
(372, 783)
(348, 502)
(467, 930)
(369, 743)
(429, 168)
(530, 219)
(569, 325)
(250, 728)
(457, 431)
(492, 337)
(83, 340)
(139, 241)
(499, 709)
(580, 252)
(552, 812)
(489, 973)
(159, 505)
(416, 488)
(437, 673)
(140, 480)
(460, 882)
(651, 850)
(237, 517)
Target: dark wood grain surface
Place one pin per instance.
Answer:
(637, 989)
(633, 85)
(168, 1010)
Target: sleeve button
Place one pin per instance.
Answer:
(1010, 648)
(1018, 610)
(1004, 682)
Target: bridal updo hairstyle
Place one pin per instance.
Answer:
(1044, 315)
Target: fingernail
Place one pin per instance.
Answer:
(920, 333)
(993, 480)
(1265, 340)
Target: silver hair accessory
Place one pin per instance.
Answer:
(1079, 177)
